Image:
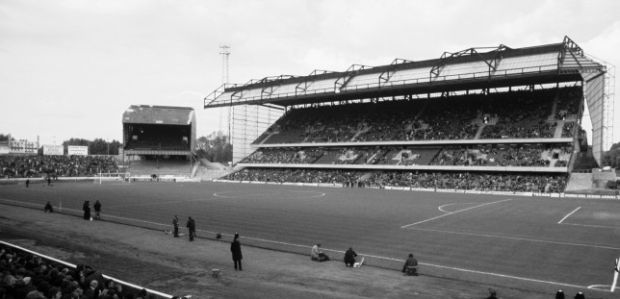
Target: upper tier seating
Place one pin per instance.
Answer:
(520, 114)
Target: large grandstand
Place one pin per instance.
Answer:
(501, 119)
(159, 140)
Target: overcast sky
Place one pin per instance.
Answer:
(69, 68)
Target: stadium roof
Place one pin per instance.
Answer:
(472, 68)
(166, 115)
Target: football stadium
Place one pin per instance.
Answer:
(477, 162)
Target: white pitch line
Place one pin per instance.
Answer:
(454, 212)
(517, 238)
(591, 225)
(563, 284)
(568, 215)
(440, 208)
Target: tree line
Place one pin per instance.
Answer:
(215, 147)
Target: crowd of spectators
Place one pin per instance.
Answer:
(295, 176)
(519, 155)
(568, 102)
(538, 183)
(27, 276)
(568, 129)
(531, 155)
(284, 155)
(521, 114)
(518, 114)
(22, 166)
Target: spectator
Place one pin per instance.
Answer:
(580, 295)
(175, 226)
(559, 294)
(235, 249)
(92, 292)
(86, 209)
(97, 210)
(411, 266)
(48, 208)
(492, 294)
(191, 228)
(349, 257)
(27, 276)
(316, 254)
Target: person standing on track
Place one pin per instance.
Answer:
(86, 209)
(97, 210)
(175, 226)
(191, 228)
(235, 249)
(27, 183)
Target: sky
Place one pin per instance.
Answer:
(70, 68)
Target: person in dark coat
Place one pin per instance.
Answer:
(411, 265)
(175, 225)
(48, 208)
(191, 228)
(235, 249)
(27, 183)
(349, 257)
(560, 295)
(97, 210)
(86, 209)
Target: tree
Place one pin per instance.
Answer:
(96, 147)
(612, 156)
(214, 147)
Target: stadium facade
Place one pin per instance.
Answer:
(159, 130)
(560, 82)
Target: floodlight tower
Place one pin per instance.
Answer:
(225, 52)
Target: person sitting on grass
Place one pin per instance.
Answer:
(317, 255)
(48, 208)
(411, 265)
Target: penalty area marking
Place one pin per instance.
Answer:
(454, 212)
(568, 215)
(440, 208)
(601, 287)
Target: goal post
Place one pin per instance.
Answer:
(103, 177)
